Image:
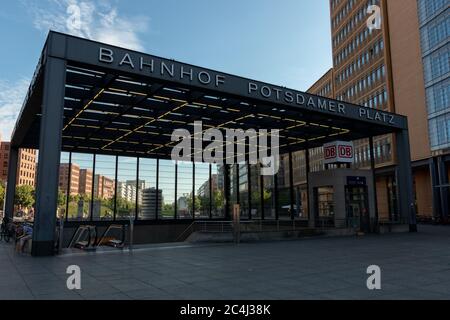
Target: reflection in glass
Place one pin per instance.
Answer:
(243, 190)
(126, 188)
(167, 187)
(80, 200)
(269, 197)
(202, 190)
(63, 186)
(255, 187)
(284, 197)
(184, 190)
(104, 184)
(232, 172)
(300, 203)
(218, 190)
(149, 198)
(325, 202)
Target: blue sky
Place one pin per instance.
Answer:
(282, 42)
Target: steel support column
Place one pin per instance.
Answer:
(443, 191)
(116, 172)
(435, 190)
(49, 157)
(68, 191)
(193, 190)
(210, 186)
(374, 184)
(226, 178)
(404, 180)
(249, 191)
(157, 192)
(261, 192)
(93, 194)
(291, 185)
(311, 216)
(136, 216)
(11, 183)
(176, 192)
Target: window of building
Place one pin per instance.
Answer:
(325, 202)
(202, 190)
(184, 190)
(218, 190)
(149, 195)
(126, 188)
(104, 188)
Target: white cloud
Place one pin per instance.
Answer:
(12, 95)
(98, 20)
(92, 19)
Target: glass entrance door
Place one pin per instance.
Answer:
(357, 205)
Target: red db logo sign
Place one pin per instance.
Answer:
(338, 152)
(330, 152)
(345, 152)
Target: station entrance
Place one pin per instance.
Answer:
(121, 107)
(357, 204)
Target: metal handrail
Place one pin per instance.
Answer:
(258, 226)
(122, 228)
(79, 231)
(185, 230)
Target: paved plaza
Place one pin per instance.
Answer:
(413, 266)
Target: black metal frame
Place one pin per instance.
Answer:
(113, 107)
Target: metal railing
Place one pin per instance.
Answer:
(244, 226)
(87, 237)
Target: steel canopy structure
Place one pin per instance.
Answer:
(90, 97)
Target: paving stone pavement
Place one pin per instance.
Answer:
(413, 266)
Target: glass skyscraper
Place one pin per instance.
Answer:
(434, 20)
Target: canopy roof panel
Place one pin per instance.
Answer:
(119, 101)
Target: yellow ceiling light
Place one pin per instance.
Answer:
(84, 108)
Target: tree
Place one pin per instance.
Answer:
(24, 196)
(2, 194)
(190, 199)
(219, 199)
(61, 199)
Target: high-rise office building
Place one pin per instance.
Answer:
(151, 199)
(85, 182)
(434, 24)
(401, 67)
(69, 172)
(103, 187)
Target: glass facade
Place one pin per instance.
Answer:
(243, 190)
(109, 188)
(104, 188)
(149, 195)
(202, 190)
(166, 182)
(255, 191)
(79, 208)
(283, 188)
(434, 19)
(218, 191)
(126, 186)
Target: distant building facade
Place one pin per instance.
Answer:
(151, 200)
(85, 182)
(26, 169)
